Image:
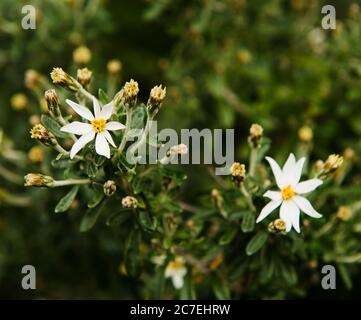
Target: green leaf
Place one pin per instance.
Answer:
(65, 202)
(220, 290)
(345, 276)
(117, 218)
(248, 221)
(188, 291)
(132, 257)
(139, 117)
(265, 146)
(63, 163)
(256, 243)
(228, 236)
(90, 217)
(91, 169)
(146, 221)
(53, 126)
(97, 195)
(103, 97)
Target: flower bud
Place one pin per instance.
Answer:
(39, 132)
(82, 55)
(305, 134)
(19, 101)
(130, 92)
(60, 77)
(277, 226)
(52, 102)
(32, 79)
(109, 188)
(156, 98)
(129, 202)
(38, 180)
(114, 67)
(244, 56)
(349, 155)
(84, 76)
(344, 213)
(255, 135)
(36, 154)
(238, 172)
(333, 162)
(180, 149)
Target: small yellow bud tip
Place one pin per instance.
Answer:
(333, 162)
(19, 101)
(84, 76)
(82, 55)
(238, 170)
(344, 213)
(114, 67)
(131, 89)
(305, 134)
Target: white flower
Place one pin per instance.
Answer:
(289, 197)
(176, 270)
(98, 127)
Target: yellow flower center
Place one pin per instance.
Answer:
(175, 265)
(98, 125)
(287, 193)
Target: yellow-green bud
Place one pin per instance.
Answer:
(40, 133)
(344, 213)
(82, 55)
(238, 172)
(255, 135)
(60, 77)
(38, 180)
(156, 98)
(130, 92)
(129, 202)
(277, 226)
(84, 76)
(114, 67)
(52, 102)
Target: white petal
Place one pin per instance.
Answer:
(307, 186)
(96, 107)
(80, 110)
(83, 140)
(177, 280)
(294, 215)
(77, 127)
(267, 209)
(306, 206)
(286, 214)
(114, 125)
(289, 165)
(277, 172)
(273, 195)
(107, 110)
(297, 171)
(101, 146)
(109, 138)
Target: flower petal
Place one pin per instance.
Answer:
(277, 172)
(96, 107)
(288, 167)
(267, 209)
(83, 140)
(273, 195)
(77, 127)
(286, 212)
(177, 279)
(306, 206)
(294, 213)
(80, 110)
(101, 146)
(109, 138)
(114, 125)
(107, 110)
(307, 186)
(297, 171)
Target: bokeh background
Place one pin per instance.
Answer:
(226, 64)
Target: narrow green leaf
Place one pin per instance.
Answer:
(90, 217)
(53, 126)
(248, 221)
(146, 221)
(228, 236)
(132, 257)
(65, 202)
(103, 97)
(345, 276)
(256, 243)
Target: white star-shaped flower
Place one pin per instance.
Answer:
(98, 127)
(289, 197)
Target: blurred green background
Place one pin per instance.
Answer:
(226, 64)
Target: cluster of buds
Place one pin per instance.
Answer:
(277, 226)
(109, 188)
(52, 102)
(40, 133)
(238, 172)
(255, 135)
(130, 92)
(38, 180)
(129, 202)
(60, 77)
(330, 166)
(156, 98)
